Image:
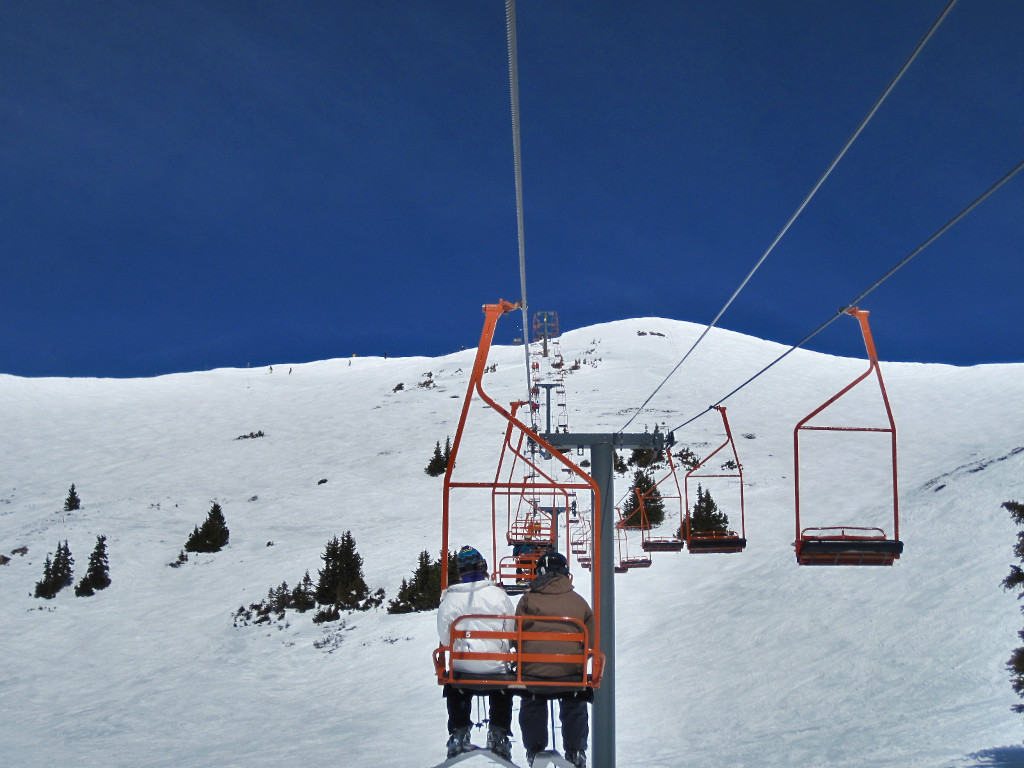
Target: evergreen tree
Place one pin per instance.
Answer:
(57, 573)
(341, 582)
(72, 502)
(447, 451)
(438, 462)
(212, 536)
(646, 457)
(654, 506)
(706, 517)
(329, 577)
(304, 595)
(44, 588)
(63, 567)
(423, 591)
(97, 574)
(1016, 581)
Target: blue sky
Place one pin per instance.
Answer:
(192, 185)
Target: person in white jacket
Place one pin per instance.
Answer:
(476, 594)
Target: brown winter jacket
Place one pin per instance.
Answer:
(554, 597)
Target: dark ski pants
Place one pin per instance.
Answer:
(533, 723)
(460, 706)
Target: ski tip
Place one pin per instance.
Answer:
(481, 755)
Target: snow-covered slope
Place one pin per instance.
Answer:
(723, 660)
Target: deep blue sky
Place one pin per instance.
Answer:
(194, 184)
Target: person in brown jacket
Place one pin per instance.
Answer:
(552, 594)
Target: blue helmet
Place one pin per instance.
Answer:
(469, 560)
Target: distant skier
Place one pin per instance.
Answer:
(552, 594)
(476, 594)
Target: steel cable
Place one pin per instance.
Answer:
(842, 310)
(802, 206)
(513, 88)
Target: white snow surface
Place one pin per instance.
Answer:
(723, 660)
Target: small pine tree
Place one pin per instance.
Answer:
(423, 591)
(97, 574)
(653, 508)
(304, 595)
(182, 559)
(57, 573)
(706, 517)
(330, 575)
(63, 567)
(438, 462)
(341, 581)
(72, 502)
(1015, 580)
(212, 536)
(44, 588)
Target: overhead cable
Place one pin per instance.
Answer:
(513, 88)
(802, 206)
(842, 310)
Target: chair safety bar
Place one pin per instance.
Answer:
(575, 638)
(515, 572)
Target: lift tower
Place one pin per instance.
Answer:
(602, 457)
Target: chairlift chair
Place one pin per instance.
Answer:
(648, 541)
(702, 542)
(626, 561)
(580, 648)
(849, 544)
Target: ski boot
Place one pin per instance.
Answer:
(577, 757)
(459, 742)
(499, 743)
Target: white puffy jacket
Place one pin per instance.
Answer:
(473, 597)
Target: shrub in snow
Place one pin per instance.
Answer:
(182, 559)
(688, 458)
(277, 601)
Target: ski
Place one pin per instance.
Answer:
(484, 753)
(550, 758)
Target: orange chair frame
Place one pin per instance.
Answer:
(716, 541)
(846, 544)
(503, 485)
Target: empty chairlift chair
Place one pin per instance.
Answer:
(701, 539)
(849, 544)
(670, 495)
